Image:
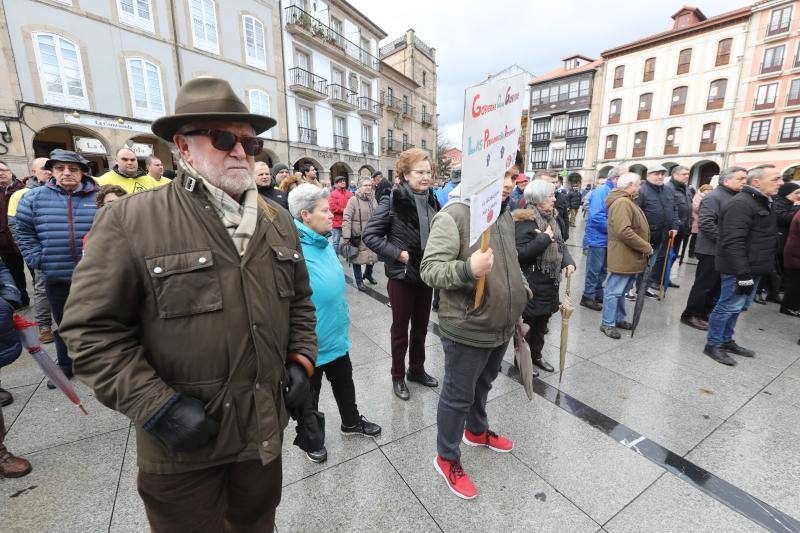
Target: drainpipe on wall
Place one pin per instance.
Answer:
(176, 46)
(285, 96)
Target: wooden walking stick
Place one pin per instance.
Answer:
(482, 280)
(661, 290)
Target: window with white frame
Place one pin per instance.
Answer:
(60, 71)
(144, 82)
(137, 13)
(204, 25)
(254, 42)
(259, 104)
(765, 96)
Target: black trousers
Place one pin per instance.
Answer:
(16, 266)
(235, 497)
(705, 290)
(536, 333)
(791, 296)
(340, 375)
(57, 294)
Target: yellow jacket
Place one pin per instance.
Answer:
(13, 202)
(131, 185)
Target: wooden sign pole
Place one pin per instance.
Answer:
(482, 280)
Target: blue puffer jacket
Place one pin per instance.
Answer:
(51, 224)
(328, 295)
(10, 345)
(597, 223)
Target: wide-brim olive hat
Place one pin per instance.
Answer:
(208, 99)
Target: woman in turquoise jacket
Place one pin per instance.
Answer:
(309, 207)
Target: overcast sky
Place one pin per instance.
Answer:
(474, 38)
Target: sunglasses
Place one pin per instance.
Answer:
(225, 141)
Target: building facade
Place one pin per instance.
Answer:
(767, 124)
(670, 98)
(90, 75)
(330, 52)
(397, 124)
(561, 122)
(416, 61)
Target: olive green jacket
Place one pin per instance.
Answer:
(162, 303)
(445, 266)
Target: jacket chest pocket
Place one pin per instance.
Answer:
(283, 266)
(185, 283)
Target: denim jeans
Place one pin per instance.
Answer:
(730, 305)
(595, 273)
(336, 233)
(357, 273)
(614, 302)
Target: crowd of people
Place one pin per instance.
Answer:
(210, 332)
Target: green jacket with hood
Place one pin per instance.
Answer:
(445, 266)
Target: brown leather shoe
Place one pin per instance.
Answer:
(45, 335)
(13, 466)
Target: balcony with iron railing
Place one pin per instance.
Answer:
(299, 21)
(341, 142)
(539, 164)
(393, 103)
(426, 118)
(306, 135)
(556, 164)
(409, 110)
(769, 68)
(407, 146)
(308, 84)
(559, 134)
(369, 107)
(777, 29)
(391, 146)
(342, 98)
(367, 147)
(613, 119)
(577, 132)
(643, 113)
(574, 163)
(542, 136)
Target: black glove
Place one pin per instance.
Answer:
(185, 426)
(298, 387)
(744, 285)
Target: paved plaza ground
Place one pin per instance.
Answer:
(646, 434)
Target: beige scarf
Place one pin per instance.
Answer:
(239, 219)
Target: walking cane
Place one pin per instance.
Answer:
(661, 290)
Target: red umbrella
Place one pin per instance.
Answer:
(30, 340)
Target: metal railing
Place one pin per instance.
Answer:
(771, 67)
(391, 145)
(409, 110)
(369, 105)
(539, 164)
(306, 135)
(777, 29)
(309, 80)
(541, 136)
(367, 147)
(577, 132)
(407, 146)
(393, 103)
(298, 17)
(342, 94)
(574, 163)
(341, 142)
(426, 118)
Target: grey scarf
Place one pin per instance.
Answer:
(550, 261)
(424, 214)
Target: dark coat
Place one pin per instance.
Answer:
(384, 188)
(791, 253)
(7, 243)
(276, 195)
(708, 219)
(394, 228)
(784, 213)
(531, 245)
(562, 207)
(10, 299)
(683, 204)
(658, 205)
(748, 235)
(574, 199)
(152, 313)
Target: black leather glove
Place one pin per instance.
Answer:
(744, 285)
(298, 387)
(185, 426)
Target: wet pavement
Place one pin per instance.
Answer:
(642, 434)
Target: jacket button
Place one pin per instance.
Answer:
(280, 254)
(202, 260)
(258, 385)
(296, 256)
(265, 444)
(227, 404)
(158, 270)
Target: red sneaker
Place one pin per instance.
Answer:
(490, 439)
(457, 480)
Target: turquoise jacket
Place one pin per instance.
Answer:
(328, 295)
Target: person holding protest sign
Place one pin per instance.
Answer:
(398, 232)
(474, 343)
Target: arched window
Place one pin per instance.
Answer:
(708, 139)
(619, 76)
(611, 147)
(645, 105)
(678, 103)
(144, 84)
(672, 142)
(723, 52)
(138, 13)
(684, 61)
(60, 71)
(255, 43)
(204, 25)
(260, 104)
(716, 94)
(649, 69)
(639, 143)
(614, 111)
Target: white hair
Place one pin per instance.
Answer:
(537, 191)
(627, 179)
(304, 197)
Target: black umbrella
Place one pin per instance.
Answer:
(641, 286)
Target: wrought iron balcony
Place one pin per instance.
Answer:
(299, 20)
(407, 146)
(306, 135)
(574, 163)
(341, 97)
(409, 110)
(542, 136)
(426, 118)
(577, 132)
(393, 103)
(308, 84)
(341, 142)
(367, 147)
(391, 146)
(369, 107)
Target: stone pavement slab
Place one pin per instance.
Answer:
(21, 397)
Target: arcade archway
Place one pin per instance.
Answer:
(638, 169)
(84, 141)
(603, 172)
(702, 172)
(341, 169)
(792, 173)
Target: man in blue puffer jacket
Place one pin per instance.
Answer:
(51, 223)
(595, 241)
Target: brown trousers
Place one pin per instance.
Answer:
(235, 497)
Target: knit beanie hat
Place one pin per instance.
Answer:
(788, 188)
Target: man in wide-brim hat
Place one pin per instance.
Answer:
(195, 321)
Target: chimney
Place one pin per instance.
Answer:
(687, 16)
